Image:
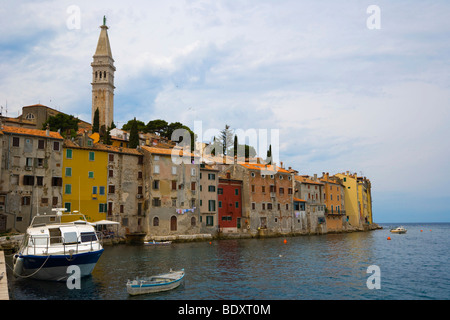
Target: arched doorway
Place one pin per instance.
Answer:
(173, 223)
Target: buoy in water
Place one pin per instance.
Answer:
(389, 238)
(285, 241)
(421, 230)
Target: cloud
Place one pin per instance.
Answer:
(344, 97)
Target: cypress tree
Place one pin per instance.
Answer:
(96, 124)
(134, 135)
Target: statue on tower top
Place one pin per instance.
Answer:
(104, 20)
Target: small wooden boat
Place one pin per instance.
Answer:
(158, 283)
(398, 230)
(157, 243)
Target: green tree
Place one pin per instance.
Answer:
(107, 137)
(96, 122)
(157, 126)
(134, 134)
(140, 125)
(67, 124)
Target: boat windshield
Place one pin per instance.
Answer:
(57, 219)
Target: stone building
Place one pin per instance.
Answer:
(267, 196)
(311, 190)
(209, 178)
(172, 191)
(125, 198)
(31, 174)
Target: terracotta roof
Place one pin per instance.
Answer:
(330, 181)
(101, 147)
(32, 132)
(299, 200)
(307, 180)
(260, 166)
(164, 151)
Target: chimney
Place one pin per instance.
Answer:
(315, 177)
(47, 130)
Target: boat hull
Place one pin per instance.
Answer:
(136, 288)
(55, 267)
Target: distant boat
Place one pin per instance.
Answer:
(157, 243)
(158, 283)
(398, 230)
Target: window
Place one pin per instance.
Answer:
(264, 206)
(139, 174)
(253, 174)
(68, 172)
(287, 206)
(140, 160)
(91, 174)
(281, 177)
(174, 170)
(155, 221)
(110, 208)
(211, 188)
(193, 172)
(102, 207)
(269, 206)
(26, 201)
(281, 190)
(331, 197)
(29, 162)
(156, 202)
(16, 141)
(68, 206)
(89, 142)
(41, 144)
(193, 186)
(211, 205)
(209, 220)
(68, 153)
(263, 189)
(68, 189)
(94, 190)
(139, 190)
(219, 191)
(91, 155)
(28, 180)
(237, 204)
(156, 158)
(253, 206)
(289, 190)
(39, 181)
(121, 208)
(40, 162)
(211, 176)
(111, 157)
(101, 190)
(111, 189)
(110, 173)
(174, 185)
(156, 168)
(44, 201)
(236, 192)
(55, 145)
(174, 202)
(220, 204)
(253, 188)
(55, 201)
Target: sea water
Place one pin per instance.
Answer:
(409, 266)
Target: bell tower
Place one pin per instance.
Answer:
(103, 80)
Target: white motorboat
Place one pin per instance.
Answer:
(52, 243)
(158, 283)
(398, 230)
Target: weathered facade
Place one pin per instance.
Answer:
(267, 195)
(208, 199)
(333, 195)
(172, 191)
(310, 190)
(31, 174)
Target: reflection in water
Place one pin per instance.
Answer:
(413, 266)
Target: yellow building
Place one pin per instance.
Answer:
(85, 180)
(358, 199)
(352, 206)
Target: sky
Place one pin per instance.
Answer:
(349, 89)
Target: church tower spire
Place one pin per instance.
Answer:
(103, 79)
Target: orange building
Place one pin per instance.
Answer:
(333, 195)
